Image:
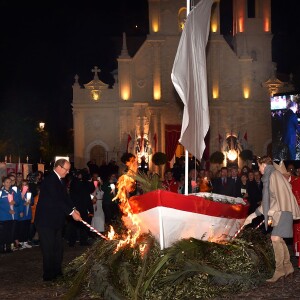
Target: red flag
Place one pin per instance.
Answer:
(155, 141)
(128, 141)
(246, 136)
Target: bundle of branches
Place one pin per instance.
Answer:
(189, 269)
(148, 182)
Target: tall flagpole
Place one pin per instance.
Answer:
(188, 7)
(190, 80)
(186, 175)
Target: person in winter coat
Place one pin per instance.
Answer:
(279, 207)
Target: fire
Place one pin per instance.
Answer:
(111, 233)
(143, 249)
(126, 185)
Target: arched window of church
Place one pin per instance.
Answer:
(181, 18)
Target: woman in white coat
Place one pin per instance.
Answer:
(98, 219)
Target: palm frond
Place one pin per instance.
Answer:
(154, 270)
(124, 276)
(78, 279)
(145, 265)
(192, 248)
(147, 182)
(191, 268)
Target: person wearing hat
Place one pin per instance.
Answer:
(279, 207)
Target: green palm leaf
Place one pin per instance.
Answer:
(124, 275)
(147, 182)
(191, 268)
(156, 268)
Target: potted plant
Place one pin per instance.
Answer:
(159, 158)
(217, 158)
(246, 155)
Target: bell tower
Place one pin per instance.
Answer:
(252, 27)
(166, 17)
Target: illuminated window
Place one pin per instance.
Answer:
(246, 93)
(95, 95)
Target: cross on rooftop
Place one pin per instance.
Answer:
(96, 71)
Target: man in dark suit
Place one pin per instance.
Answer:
(237, 183)
(255, 188)
(52, 208)
(290, 127)
(223, 185)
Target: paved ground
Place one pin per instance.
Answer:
(21, 274)
(287, 289)
(21, 278)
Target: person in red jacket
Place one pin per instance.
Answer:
(295, 182)
(170, 183)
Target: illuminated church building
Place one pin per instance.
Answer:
(142, 110)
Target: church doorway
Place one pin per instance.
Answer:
(98, 153)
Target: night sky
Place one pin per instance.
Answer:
(44, 44)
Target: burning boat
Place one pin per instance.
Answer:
(205, 216)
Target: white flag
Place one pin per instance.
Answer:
(189, 78)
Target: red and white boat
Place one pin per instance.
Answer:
(205, 216)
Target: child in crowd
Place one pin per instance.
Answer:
(33, 232)
(25, 215)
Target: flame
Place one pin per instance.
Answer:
(126, 184)
(143, 249)
(111, 233)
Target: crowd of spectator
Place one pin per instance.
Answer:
(91, 194)
(230, 181)
(92, 190)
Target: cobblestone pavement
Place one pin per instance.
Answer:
(21, 278)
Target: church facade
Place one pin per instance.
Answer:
(142, 113)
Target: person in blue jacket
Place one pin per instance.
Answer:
(9, 202)
(290, 129)
(18, 209)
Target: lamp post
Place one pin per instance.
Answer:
(42, 135)
(41, 126)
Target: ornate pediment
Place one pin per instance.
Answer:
(96, 82)
(96, 85)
